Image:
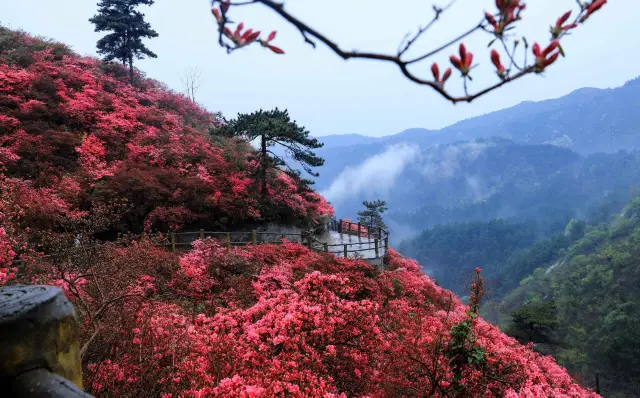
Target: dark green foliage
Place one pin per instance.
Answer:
(371, 216)
(450, 252)
(127, 27)
(275, 128)
(534, 322)
(594, 286)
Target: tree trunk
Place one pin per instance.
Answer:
(263, 167)
(131, 69)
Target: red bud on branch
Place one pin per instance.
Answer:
(463, 64)
(559, 28)
(593, 7)
(495, 59)
(272, 36)
(239, 29)
(436, 72)
(542, 56)
(275, 49)
(216, 14)
(492, 21)
(447, 74)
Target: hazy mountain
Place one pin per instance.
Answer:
(588, 120)
(338, 140)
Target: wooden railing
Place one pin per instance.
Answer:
(365, 242)
(376, 239)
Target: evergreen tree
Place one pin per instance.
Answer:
(372, 214)
(534, 322)
(275, 128)
(128, 28)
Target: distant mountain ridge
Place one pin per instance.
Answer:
(596, 120)
(586, 121)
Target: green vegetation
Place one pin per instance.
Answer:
(584, 304)
(127, 27)
(372, 213)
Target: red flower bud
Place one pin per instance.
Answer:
(491, 20)
(455, 61)
(228, 32)
(563, 19)
(253, 37)
(272, 36)
(246, 34)
(463, 54)
(239, 29)
(551, 59)
(216, 13)
(495, 58)
(536, 50)
(554, 44)
(447, 74)
(275, 49)
(469, 60)
(595, 6)
(436, 72)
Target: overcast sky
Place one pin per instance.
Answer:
(331, 96)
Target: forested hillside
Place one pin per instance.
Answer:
(493, 178)
(590, 284)
(92, 153)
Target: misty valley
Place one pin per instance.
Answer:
(546, 204)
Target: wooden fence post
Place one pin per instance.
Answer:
(379, 232)
(254, 238)
(376, 247)
(340, 226)
(345, 251)
(326, 248)
(359, 230)
(201, 233)
(386, 243)
(173, 241)
(40, 353)
(228, 240)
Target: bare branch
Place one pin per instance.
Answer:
(191, 81)
(495, 25)
(437, 10)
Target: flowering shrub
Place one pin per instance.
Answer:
(77, 134)
(281, 320)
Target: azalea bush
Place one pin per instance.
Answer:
(76, 134)
(281, 320)
(514, 58)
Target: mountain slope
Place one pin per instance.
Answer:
(586, 121)
(592, 284)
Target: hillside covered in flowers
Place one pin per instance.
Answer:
(86, 157)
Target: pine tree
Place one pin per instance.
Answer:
(128, 28)
(275, 128)
(371, 216)
(534, 322)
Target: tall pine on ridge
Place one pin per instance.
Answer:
(371, 216)
(128, 28)
(272, 128)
